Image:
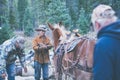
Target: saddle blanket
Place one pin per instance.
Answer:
(72, 45)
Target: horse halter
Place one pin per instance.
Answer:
(60, 49)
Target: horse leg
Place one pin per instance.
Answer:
(65, 77)
(60, 77)
(75, 74)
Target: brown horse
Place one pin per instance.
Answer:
(76, 63)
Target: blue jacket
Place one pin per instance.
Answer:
(107, 53)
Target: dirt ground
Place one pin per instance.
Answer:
(24, 78)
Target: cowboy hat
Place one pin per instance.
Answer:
(41, 28)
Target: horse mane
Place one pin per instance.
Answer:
(56, 35)
(58, 31)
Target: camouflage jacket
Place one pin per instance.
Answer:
(11, 53)
(2, 62)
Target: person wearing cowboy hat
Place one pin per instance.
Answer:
(41, 46)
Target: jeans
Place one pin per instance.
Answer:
(1, 73)
(2, 78)
(10, 68)
(38, 68)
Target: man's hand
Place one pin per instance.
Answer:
(3, 75)
(43, 46)
(25, 69)
(49, 46)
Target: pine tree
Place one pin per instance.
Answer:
(22, 5)
(57, 12)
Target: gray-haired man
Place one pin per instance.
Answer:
(107, 49)
(11, 49)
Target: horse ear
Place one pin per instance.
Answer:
(60, 23)
(50, 26)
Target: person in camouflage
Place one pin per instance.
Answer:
(11, 49)
(2, 65)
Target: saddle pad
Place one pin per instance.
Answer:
(72, 45)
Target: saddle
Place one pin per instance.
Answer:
(81, 61)
(69, 46)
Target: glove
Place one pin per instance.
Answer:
(25, 69)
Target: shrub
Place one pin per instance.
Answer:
(5, 33)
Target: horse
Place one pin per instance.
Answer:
(75, 61)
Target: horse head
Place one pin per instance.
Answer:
(57, 32)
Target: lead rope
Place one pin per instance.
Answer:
(86, 56)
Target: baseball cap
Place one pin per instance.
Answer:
(101, 12)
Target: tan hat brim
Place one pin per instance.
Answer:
(39, 30)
